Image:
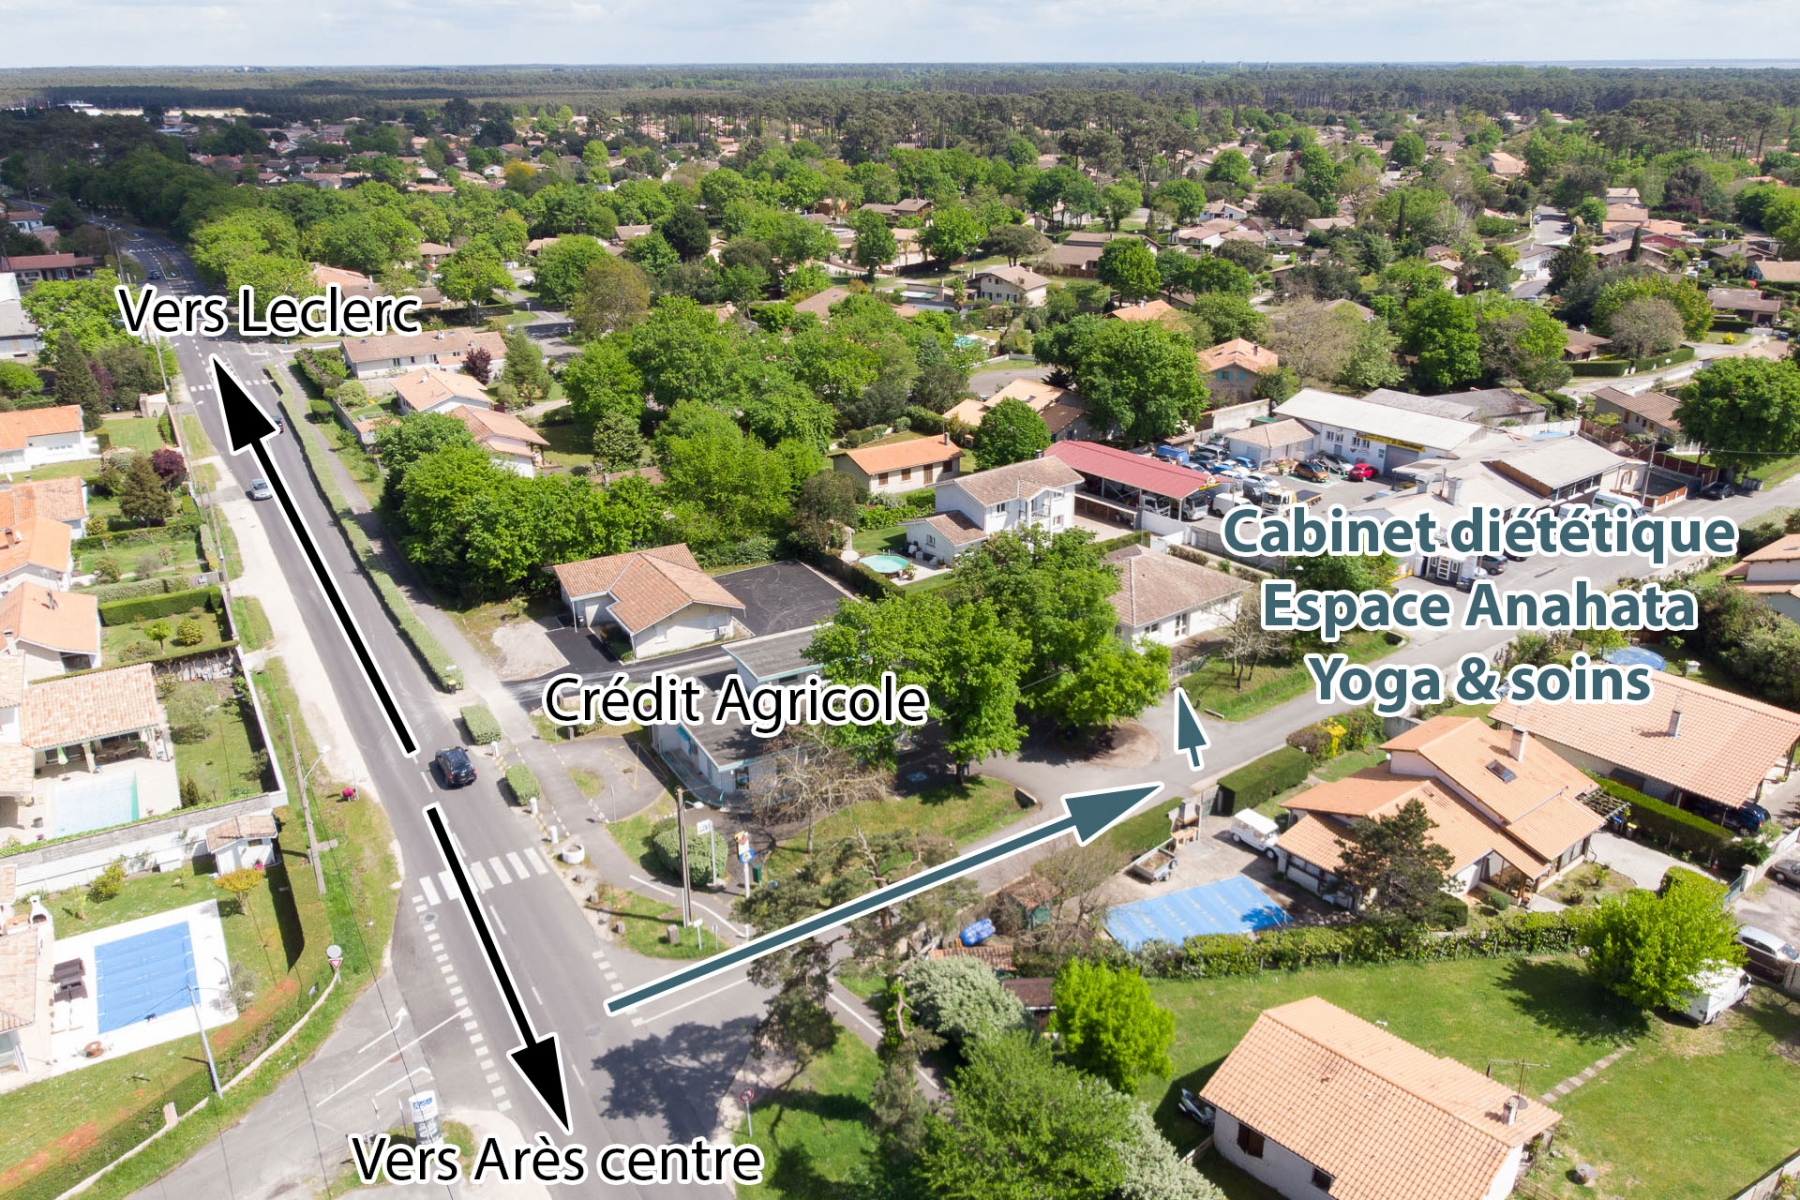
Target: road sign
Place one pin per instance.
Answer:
(744, 853)
(703, 827)
(747, 1095)
(334, 954)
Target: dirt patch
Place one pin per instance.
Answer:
(1699, 1041)
(1127, 744)
(526, 651)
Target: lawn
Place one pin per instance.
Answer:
(134, 433)
(633, 833)
(964, 813)
(252, 622)
(1734, 1087)
(230, 761)
(1274, 683)
(1539, 1010)
(880, 541)
(571, 443)
(816, 1132)
(647, 922)
(130, 643)
(146, 555)
(193, 435)
(1351, 763)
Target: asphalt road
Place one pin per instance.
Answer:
(650, 1077)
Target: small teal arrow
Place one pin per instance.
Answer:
(1190, 735)
(1090, 815)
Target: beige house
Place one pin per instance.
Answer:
(1231, 369)
(510, 442)
(1166, 599)
(1038, 493)
(1314, 1102)
(659, 599)
(1009, 285)
(901, 466)
(55, 631)
(1642, 412)
(443, 350)
(429, 390)
(1773, 574)
(37, 437)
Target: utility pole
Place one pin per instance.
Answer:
(212, 1068)
(312, 840)
(687, 884)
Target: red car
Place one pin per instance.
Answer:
(1360, 472)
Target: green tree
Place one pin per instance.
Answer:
(824, 504)
(723, 485)
(1590, 212)
(109, 883)
(1010, 432)
(75, 382)
(1744, 409)
(874, 246)
(1109, 1025)
(1696, 310)
(525, 369)
(685, 231)
(1644, 327)
(1230, 166)
(975, 666)
(617, 443)
(1408, 150)
(961, 1000)
(18, 381)
(473, 274)
(400, 444)
(1521, 341)
(1118, 200)
(1137, 376)
(954, 233)
(1393, 861)
(142, 497)
(563, 265)
(1648, 948)
(603, 381)
(1213, 273)
(1440, 330)
(1186, 197)
(1113, 683)
(1016, 242)
(159, 632)
(1128, 267)
(614, 295)
(1372, 363)
(652, 253)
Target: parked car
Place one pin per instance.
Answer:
(1243, 462)
(1770, 951)
(1786, 871)
(1313, 472)
(153, 274)
(1197, 1110)
(453, 767)
(1631, 506)
(1231, 470)
(1573, 508)
(260, 490)
(1224, 501)
(1359, 472)
(1174, 454)
(1747, 818)
(1493, 564)
(1718, 489)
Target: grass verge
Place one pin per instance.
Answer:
(816, 1131)
(646, 924)
(1275, 683)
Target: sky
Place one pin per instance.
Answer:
(502, 32)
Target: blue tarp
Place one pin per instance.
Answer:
(144, 976)
(1232, 905)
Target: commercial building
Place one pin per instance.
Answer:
(1383, 436)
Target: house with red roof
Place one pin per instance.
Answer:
(658, 599)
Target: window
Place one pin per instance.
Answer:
(905, 474)
(1181, 625)
(881, 478)
(931, 539)
(1322, 1180)
(740, 778)
(1250, 1141)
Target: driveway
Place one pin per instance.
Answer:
(1644, 865)
(1776, 909)
(783, 595)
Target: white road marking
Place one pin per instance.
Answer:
(449, 882)
(500, 871)
(481, 876)
(399, 1082)
(537, 863)
(684, 1004)
(384, 1062)
(503, 1105)
(385, 1034)
(517, 865)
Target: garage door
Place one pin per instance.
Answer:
(1399, 457)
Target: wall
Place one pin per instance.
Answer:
(1278, 1168)
(165, 841)
(1233, 416)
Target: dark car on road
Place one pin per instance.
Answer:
(1718, 489)
(1313, 472)
(453, 767)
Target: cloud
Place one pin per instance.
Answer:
(478, 32)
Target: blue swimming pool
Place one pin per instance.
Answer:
(885, 564)
(144, 976)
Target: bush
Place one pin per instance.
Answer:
(1269, 775)
(1447, 912)
(923, 420)
(740, 554)
(168, 604)
(961, 999)
(483, 726)
(1324, 740)
(524, 783)
(665, 849)
(109, 883)
(1675, 828)
(131, 589)
(190, 633)
(1682, 877)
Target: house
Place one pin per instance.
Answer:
(350, 283)
(1037, 493)
(1642, 412)
(1687, 741)
(1773, 574)
(1166, 599)
(242, 842)
(34, 268)
(659, 599)
(1155, 310)
(1505, 165)
(1010, 285)
(1447, 490)
(1566, 468)
(1080, 259)
(819, 304)
(18, 332)
(510, 442)
(37, 437)
(1480, 406)
(1746, 304)
(56, 631)
(1381, 435)
(1037, 995)
(433, 253)
(38, 522)
(1768, 271)
(96, 718)
(1323, 225)
(444, 349)
(1123, 488)
(1231, 369)
(1272, 441)
(430, 390)
(912, 206)
(901, 466)
(1314, 1102)
(1583, 346)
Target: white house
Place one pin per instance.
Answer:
(1314, 1102)
(37, 437)
(1772, 574)
(241, 842)
(1166, 599)
(56, 631)
(444, 349)
(901, 466)
(510, 442)
(429, 389)
(659, 599)
(1037, 493)
(1009, 285)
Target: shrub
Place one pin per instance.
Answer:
(524, 783)
(1447, 912)
(97, 527)
(1324, 740)
(665, 849)
(109, 883)
(961, 999)
(1675, 828)
(738, 554)
(166, 604)
(190, 633)
(482, 725)
(1676, 878)
(1500, 900)
(131, 589)
(1269, 775)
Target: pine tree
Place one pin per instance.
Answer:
(75, 382)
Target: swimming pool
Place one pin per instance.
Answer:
(144, 976)
(885, 564)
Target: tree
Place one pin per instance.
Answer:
(75, 382)
(961, 1000)
(1218, 317)
(1184, 197)
(1645, 326)
(473, 274)
(1314, 341)
(953, 233)
(614, 295)
(400, 444)
(1393, 862)
(1137, 376)
(18, 381)
(169, 465)
(142, 497)
(563, 265)
(874, 246)
(1591, 212)
(479, 364)
(1024, 1127)
(1286, 206)
(1744, 409)
(1113, 683)
(684, 229)
(1010, 432)
(975, 668)
(652, 253)
(1016, 242)
(1371, 363)
(109, 883)
(1440, 330)
(190, 633)
(1109, 1025)
(525, 369)
(617, 443)
(824, 505)
(1408, 150)
(1648, 948)
(1118, 200)
(1521, 341)
(159, 632)
(602, 380)
(1684, 294)
(1214, 273)
(1230, 166)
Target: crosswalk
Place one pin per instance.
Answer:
(435, 889)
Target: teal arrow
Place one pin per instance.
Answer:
(1090, 815)
(1190, 735)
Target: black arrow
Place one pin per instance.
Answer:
(246, 427)
(538, 1059)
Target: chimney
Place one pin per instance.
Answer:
(11, 641)
(1675, 722)
(1519, 738)
(1453, 489)
(1512, 1108)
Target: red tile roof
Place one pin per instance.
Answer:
(1132, 470)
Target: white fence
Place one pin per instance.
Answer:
(1767, 1186)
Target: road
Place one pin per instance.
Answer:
(651, 1077)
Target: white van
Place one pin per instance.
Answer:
(1614, 500)
(1714, 990)
(1254, 830)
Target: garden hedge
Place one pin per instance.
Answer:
(1676, 828)
(524, 783)
(665, 848)
(482, 725)
(168, 604)
(1268, 776)
(131, 589)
